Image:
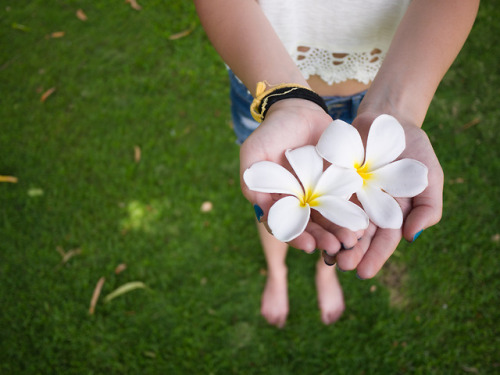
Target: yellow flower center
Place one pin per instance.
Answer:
(363, 171)
(309, 198)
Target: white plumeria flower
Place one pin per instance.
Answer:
(327, 192)
(383, 178)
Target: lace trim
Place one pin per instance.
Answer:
(338, 67)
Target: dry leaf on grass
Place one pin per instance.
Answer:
(47, 93)
(96, 294)
(471, 123)
(181, 34)
(206, 206)
(68, 254)
(133, 4)
(57, 34)
(125, 288)
(137, 154)
(18, 26)
(458, 180)
(10, 179)
(120, 268)
(35, 192)
(81, 15)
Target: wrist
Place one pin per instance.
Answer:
(295, 103)
(398, 100)
(266, 98)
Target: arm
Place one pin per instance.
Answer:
(246, 41)
(426, 43)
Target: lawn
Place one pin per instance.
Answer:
(115, 123)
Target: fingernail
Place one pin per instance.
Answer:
(258, 212)
(342, 247)
(313, 252)
(417, 235)
(360, 278)
(340, 269)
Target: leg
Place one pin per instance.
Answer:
(330, 297)
(274, 304)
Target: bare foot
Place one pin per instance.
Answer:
(330, 297)
(274, 304)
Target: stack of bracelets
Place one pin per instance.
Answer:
(264, 99)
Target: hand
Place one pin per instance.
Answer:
(420, 212)
(290, 124)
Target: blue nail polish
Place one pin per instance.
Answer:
(360, 278)
(417, 235)
(340, 269)
(258, 212)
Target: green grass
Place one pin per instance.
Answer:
(121, 83)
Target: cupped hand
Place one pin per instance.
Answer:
(419, 212)
(290, 124)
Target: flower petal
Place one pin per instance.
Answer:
(288, 218)
(386, 141)
(307, 164)
(340, 182)
(341, 145)
(382, 209)
(342, 212)
(269, 177)
(403, 178)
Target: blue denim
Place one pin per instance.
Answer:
(339, 107)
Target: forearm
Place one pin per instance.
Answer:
(246, 41)
(426, 43)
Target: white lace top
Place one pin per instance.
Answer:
(336, 39)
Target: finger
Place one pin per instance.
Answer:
(324, 240)
(348, 260)
(304, 242)
(383, 244)
(427, 208)
(343, 237)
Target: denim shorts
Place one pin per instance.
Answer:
(339, 107)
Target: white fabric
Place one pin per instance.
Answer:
(336, 39)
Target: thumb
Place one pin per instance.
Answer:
(261, 203)
(426, 211)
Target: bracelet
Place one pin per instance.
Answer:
(264, 99)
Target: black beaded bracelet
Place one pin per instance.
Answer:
(264, 99)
